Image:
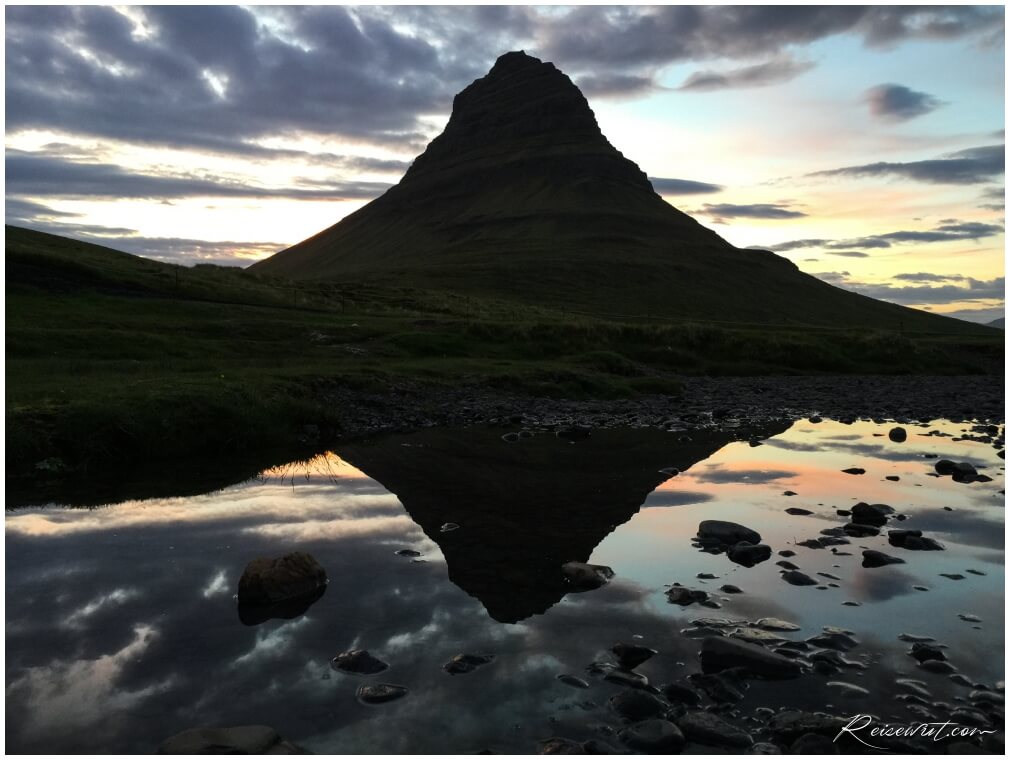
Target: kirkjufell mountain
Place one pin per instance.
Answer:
(522, 197)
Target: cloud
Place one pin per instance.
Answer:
(966, 167)
(950, 230)
(604, 85)
(926, 277)
(749, 211)
(967, 289)
(775, 71)
(40, 175)
(895, 102)
(669, 186)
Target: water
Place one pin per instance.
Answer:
(122, 626)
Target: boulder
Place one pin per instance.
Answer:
(359, 662)
(727, 533)
(913, 540)
(748, 554)
(871, 514)
(630, 656)
(635, 705)
(706, 728)
(898, 434)
(873, 558)
(269, 581)
(654, 737)
(719, 653)
(582, 576)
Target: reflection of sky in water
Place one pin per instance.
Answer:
(122, 627)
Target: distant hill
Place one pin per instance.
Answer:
(999, 323)
(522, 197)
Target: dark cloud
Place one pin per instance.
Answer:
(955, 289)
(849, 254)
(792, 245)
(926, 277)
(670, 186)
(775, 71)
(981, 316)
(40, 175)
(604, 85)
(749, 211)
(966, 167)
(950, 230)
(895, 102)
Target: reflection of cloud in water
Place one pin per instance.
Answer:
(714, 473)
(217, 585)
(962, 526)
(331, 529)
(666, 497)
(272, 643)
(788, 445)
(103, 602)
(881, 583)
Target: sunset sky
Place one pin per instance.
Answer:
(864, 144)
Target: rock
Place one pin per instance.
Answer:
(558, 745)
(676, 692)
(968, 618)
(706, 576)
(797, 578)
(654, 737)
(775, 624)
(937, 666)
(854, 471)
(627, 678)
(466, 663)
(718, 654)
(953, 576)
(635, 705)
(573, 681)
(585, 577)
(798, 511)
(913, 540)
(792, 724)
(630, 656)
(944, 467)
(718, 688)
(374, 694)
(408, 553)
(873, 558)
(840, 641)
(859, 530)
(765, 748)
(871, 514)
(848, 690)
(706, 728)
(898, 435)
(922, 651)
(359, 662)
(574, 433)
(727, 533)
(788, 493)
(599, 747)
(813, 744)
(747, 554)
(269, 581)
(787, 553)
(729, 588)
(237, 740)
(892, 478)
(685, 596)
(448, 527)
(786, 564)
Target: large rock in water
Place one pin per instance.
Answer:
(719, 653)
(728, 533)
(271, 581)
(238, 740)
(523, 197)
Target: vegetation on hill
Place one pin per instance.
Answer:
(112, 357)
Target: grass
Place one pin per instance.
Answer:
(113, 358)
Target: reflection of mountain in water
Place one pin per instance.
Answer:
(527, 507)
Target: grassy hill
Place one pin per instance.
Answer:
(115, 358)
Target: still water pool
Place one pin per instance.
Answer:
(122, 623)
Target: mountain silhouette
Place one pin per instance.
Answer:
(527, 507)
(522, 197)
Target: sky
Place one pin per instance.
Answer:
(865, 144)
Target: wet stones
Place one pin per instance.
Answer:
(358, 662)
(858, 530)
(897, 435)
(729, 588)
(582, 576)
(630, 656)
(466, 663)
(380, 693)
(789, 725)
(952, 576)
(798, 511)
(676, 692)
(775, 624)
(913, 540)
(574, 681)
(922, 651)
(706, 728)
(635, 705)
(854, 471)
(726, 533)
(798, 578)
(685, 597)
(848, 690)
(836, 639)
(268, 581)
(747, 554)
(719, 654)
(960, 472)
(654, 737)
(873, 558)
(871, 514)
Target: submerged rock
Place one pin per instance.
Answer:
(573, 681)
(654, 737)
(582, 576)
(359, 662)
(854, 471)
(729, 588)
(269, 581)
(635, 705)
(871, 514)
(797, 578)
(630, 656)
(706, 728)
(237, 740)
(775, 624)
(374, 694)
(558, 745)
(913, 540)
(466, 663)
(718, 654)
(798, 511)
(684, 596)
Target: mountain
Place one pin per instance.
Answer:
(998, 323)
(522, 197)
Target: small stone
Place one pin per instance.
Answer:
(466, 663)
(798, 511)
(630, 656)
(448, 527)
(706, 728)
(854, 471)
(573, 681)
(873, 558)
(775, 624)
(408, 553)
(848, 690)
(359, 662)
(374, 694)
(953, 576)
(898, 435)
(797, 578)
(728, 533)
(729, 588)
(747, 554)
(582, 576)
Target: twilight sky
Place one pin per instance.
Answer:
(864, 144)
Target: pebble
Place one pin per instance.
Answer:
(573, 681)
(374, 694)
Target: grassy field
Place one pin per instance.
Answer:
(114, 358)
